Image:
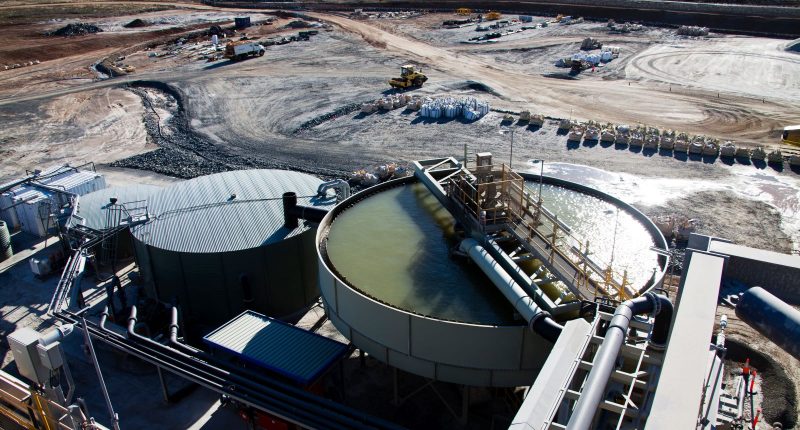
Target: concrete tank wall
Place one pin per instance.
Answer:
(477, 355)
(456, 352)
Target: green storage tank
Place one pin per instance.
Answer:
(216, 246)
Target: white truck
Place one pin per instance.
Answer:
(239, 50)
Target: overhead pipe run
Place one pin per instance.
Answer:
(605, 359)
(292, 212)
(772, 317)
(537, 318)
(258, 390)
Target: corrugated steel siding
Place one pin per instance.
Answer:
(92, 207)
(199, 216)
(78, 182)
(280, 347)
(29, 215)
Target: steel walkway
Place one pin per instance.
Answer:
(490, 199)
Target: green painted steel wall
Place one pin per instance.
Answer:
(282, 276)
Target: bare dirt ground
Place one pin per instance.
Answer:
(297, 107)
(99, 126)
(256, 112)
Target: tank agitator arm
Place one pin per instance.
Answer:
(606, 357)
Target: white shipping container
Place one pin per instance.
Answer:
(34, 213)
(30, 206)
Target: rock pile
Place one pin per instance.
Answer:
(76, 29)
(136, 23)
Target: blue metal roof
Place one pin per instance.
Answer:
(274, 345)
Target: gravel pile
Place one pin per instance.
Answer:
(298, 24)
(76, 29)
(136, 23)
(184, 153)
(344, 110)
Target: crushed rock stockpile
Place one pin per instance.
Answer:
(76, 29)
(181, 152)
(184, 153)
(136, 23)
(344, 110)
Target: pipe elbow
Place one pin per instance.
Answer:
(543, 324)
(663, 320)
(132, 321)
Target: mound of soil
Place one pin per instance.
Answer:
(77, 29)
(136, 23)
(298, 24)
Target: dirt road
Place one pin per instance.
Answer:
(696, 110)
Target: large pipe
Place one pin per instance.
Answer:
(292, 399)
(537, 318)
(292, 212)
(173, 334)
(606, 357)
(56, 335)
(772, 317)
(522, 278)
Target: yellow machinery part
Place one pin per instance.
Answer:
(791, 137)
(493, 15)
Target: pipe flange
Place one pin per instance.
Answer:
(653, 298)
(537, 317)
(656, 346)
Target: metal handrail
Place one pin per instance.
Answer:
(515, 204)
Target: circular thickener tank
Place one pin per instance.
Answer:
(390, 283)
(216, 246)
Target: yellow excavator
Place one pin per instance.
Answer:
(409, 77)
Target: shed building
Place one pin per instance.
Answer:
(216, 246)
(35, 205)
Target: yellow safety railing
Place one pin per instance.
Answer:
(499, 197)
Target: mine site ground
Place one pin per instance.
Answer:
(179, 116)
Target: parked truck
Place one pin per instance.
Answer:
(241, 49)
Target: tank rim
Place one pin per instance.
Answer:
(324, 229)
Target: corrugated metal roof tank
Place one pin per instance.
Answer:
(92, 210)
(216, 246)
